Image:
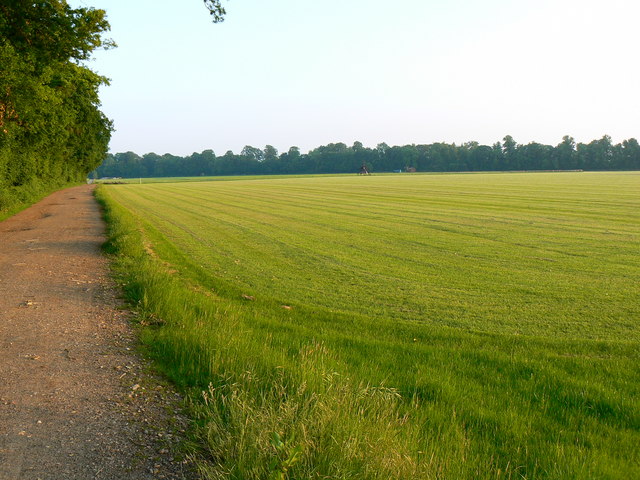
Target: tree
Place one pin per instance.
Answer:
(565, 155)
(498, 155)
(294, 152)
(630, 155)
(252, 153)
(509, 148)
(51, 128)
(481, 158)
(605, 151)
(270, 153)
(216, 10)
(597, 154)
(51, 31)
(535, 156)
(380, 157)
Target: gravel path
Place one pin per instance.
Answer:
(76, 402)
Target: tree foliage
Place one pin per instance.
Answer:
(339, 158)
(216, 10)
(52, 131)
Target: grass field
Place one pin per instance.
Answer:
(410, 326)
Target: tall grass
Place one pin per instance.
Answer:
(310, 392)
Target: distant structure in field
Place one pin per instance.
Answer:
(364, 170)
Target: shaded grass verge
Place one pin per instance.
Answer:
(15, 199)
(309, 393)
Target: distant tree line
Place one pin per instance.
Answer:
(52, 131)
(507, 155)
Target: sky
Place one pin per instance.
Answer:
(307, 73)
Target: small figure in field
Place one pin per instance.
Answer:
(364, 170)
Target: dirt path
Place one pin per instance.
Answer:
(75, 401)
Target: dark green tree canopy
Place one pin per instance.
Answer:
(51, 128)
(52, 30)
(338, 158)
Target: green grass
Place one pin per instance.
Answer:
(15, 199)
(449, 326)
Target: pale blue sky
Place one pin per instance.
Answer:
(307, 73)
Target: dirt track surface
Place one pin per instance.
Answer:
(75, 400)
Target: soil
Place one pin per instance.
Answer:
(76, 400)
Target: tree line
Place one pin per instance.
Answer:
(507, 155)
(52, 131)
